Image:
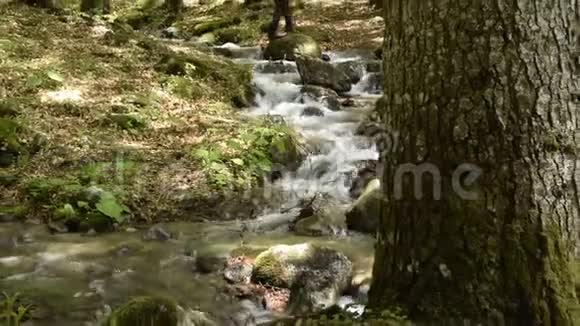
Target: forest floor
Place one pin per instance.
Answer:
(93, 109)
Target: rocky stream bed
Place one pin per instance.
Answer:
(294, 258)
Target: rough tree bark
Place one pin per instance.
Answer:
(491, 83)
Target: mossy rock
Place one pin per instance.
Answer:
(268, 270)
(275, 266)
(290, 151)
(227, 80)
(237, 34)
(214, 24)
(145, 311)
(291, 46)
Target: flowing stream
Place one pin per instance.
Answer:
(74, 279)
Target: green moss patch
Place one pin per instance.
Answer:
(145, 311)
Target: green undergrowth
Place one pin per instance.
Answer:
(247, 156)
(75, 97)
(13, 312)
(227, 23)
(91, 196)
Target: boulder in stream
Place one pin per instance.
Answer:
(354, 69)
(364, 214)
(291, 46)
(312, 111)
(316, 276)
(327, 97)
(320, 216)
(314, 71)
(145, 311)
(275, 67)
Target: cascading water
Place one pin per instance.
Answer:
(340, 152)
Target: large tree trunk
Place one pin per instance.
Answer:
(489, 83)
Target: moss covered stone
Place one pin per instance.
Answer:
(291, 46)
(268, 270)
(228, 80)
(234, 35)
(145, 311)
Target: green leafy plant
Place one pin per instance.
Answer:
(245, 157)
(12, 312)
(44, 79)
(109, 206)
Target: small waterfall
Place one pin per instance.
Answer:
(328, 171)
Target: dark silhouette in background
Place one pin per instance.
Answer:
(282, 8)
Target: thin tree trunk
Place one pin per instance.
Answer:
(489, 83)
(175, 6)
(95, 6)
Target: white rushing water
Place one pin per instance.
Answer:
(328, 171)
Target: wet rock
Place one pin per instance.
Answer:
(238, 270)
(312, 111)
(291, 46)
(320, 215)
(210, 264)
(364, 214)
(157, 233)
(373, 83)
(275, 299)
(364, 176)
(327, 97)
(239, 52)
(275, 67)
(316, 276)
(379, 53)
(57, 227)
(313, 226)
(348, 102)
(249, 291)
(292, 152)
(354, 69)
(375, 66)
(320, 73)
(145, 311)
(325, 57)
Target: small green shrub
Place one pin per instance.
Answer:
(12, 311)
(246, 156)
(45, 79)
